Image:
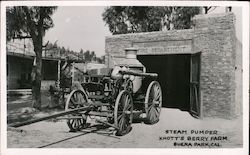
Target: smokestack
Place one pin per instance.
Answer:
(131, 58)
(131, 53)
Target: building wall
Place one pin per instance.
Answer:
(238, 79)
(213, 36)
(152, 43)
(45, 84)
(49, 70)
(18, 69)
(19, 73)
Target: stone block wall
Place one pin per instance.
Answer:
(221, 69)
(214, 37)
(238, 79)
(151, 43)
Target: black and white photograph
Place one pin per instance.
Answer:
(105, 74)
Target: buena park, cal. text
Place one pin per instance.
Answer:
(194, 138)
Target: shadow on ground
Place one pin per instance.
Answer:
(19, 108)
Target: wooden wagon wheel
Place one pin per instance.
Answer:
(123, 113)
(153, 102)
(77, 98)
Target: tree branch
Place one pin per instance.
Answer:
(46, 44)
(30, 24)
(41, 22)
(21, 37)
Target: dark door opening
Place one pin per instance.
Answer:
(174, 77)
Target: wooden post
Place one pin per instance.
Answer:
(73, 72)
(24, 46)
(58, 73)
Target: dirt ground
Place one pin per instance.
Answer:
(176, 129)
(55, 134)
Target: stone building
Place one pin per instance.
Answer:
(199, 69)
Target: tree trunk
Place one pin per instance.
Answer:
(36, 87)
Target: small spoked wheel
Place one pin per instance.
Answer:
(76, 99)
(153, 102)
(123, 113)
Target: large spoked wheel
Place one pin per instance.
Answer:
(76, 99)
(153, 102)
(123, 113)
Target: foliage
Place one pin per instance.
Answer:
(91, 56)
(28, 20)
(183, 15)
(87, 56)
(130, 19)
